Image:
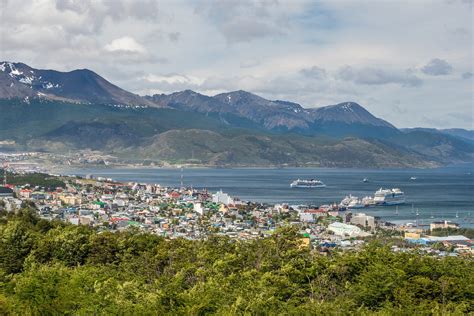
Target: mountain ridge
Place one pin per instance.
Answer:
(18, 80)
(79, 85)
(276, 114)
(247, 129)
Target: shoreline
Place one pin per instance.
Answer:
(207, 167)
(251, 167)
(255, 190)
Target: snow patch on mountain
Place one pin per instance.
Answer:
(49, 85)
(14, 72)
(347, 107)
(27, 80)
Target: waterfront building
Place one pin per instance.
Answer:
(455, 240)
(341, 229)
(443, 224)
(221, 197)
(363, 220)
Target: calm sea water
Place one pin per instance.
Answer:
(444, 193)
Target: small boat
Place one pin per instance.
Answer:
(365, 180)
(413, 178)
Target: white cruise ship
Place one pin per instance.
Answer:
(389, 197)
(353, 202)
(307, 184)
(349, 200)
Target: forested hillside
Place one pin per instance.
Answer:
(186, 137)
(49, 268)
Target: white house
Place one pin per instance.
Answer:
(341, 229)
(224, 198)
(198, 208)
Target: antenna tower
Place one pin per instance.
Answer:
(5, 167)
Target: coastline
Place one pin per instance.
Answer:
(248, 167)
(271, 185)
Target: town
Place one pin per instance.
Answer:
(196, 213)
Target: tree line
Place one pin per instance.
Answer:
(34, 179)
(49, 268)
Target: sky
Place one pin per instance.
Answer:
(409, 62)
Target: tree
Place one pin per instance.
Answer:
(69, 245)
(66, 269)
(16, 242)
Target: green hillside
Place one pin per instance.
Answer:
(266, 150)
(177, 136)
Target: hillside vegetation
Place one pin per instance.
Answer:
(160, 134)
(50, 268)
(34, 180)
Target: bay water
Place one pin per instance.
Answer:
(436, 194)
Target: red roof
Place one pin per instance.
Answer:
(315, 211)
(117, 219)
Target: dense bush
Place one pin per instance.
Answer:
(468, 232)
(35, 179)
(52, 268)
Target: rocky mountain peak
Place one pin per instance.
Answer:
(348, 113)
(18, 80)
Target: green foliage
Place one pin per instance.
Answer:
(468, 232)
(50, 269)
(157, 134)
(36, 179)
(16, 242)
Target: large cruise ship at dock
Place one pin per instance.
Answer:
(389, 197)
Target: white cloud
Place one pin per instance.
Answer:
(248, 20)
(125, 44)
(174, 79)
(282, 49)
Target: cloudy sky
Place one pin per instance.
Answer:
(409, 62)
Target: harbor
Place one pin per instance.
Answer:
(436, 195)
(196, 213)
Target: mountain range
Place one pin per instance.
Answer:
(79, 110)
